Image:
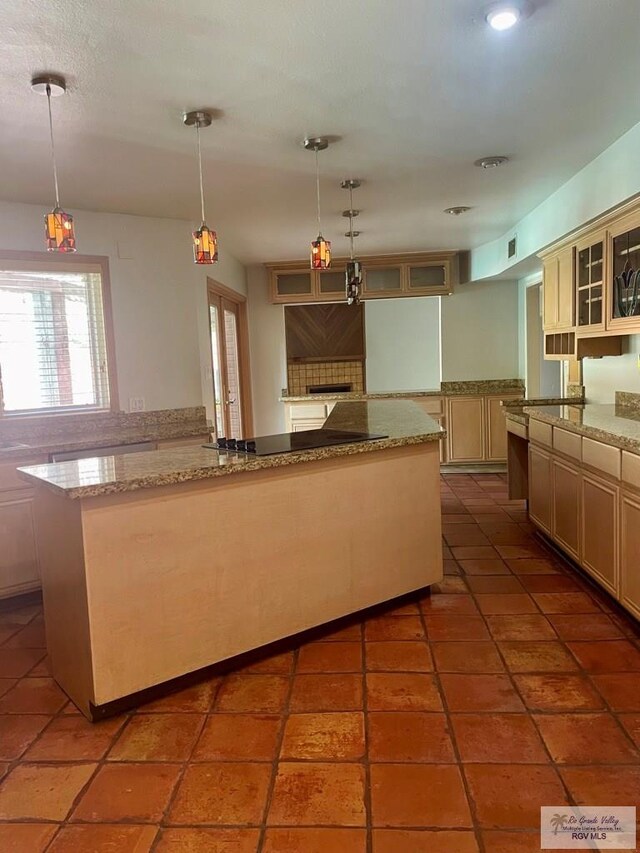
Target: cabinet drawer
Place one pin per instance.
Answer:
(631, 469)
(567, 442)
(601, 456)
(517, 429)
(540, 432)
(308, 411)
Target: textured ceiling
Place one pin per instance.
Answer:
(415, 89)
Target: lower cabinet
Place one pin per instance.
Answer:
(630, 552)
(540, 487)
(19, 570)
(477, 428)
(589, 504)
(565, 526)
(465, 425)
(600, 501)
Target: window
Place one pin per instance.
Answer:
(53, 337)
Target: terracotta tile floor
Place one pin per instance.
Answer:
(439, 725)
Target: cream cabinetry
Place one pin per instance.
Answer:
(585, 495)
(540, 487)
(466, 427)
(558, 291)
(477, 428)
(384, 277)
(19, 570)
(303, 415)
(600, 503)
(630, 551)
(565, 526)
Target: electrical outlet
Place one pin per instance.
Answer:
(136, 404)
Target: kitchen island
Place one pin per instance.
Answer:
(158, 564)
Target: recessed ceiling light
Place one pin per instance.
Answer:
(503, 16)
(456, 211)
(491, 162)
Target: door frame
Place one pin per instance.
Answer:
(218, 290)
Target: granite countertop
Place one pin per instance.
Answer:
(447, 389)
(611, 424)
(514, 410)
(25, 439)
(401, 420)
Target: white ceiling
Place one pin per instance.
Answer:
(415, 89)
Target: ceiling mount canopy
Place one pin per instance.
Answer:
(320, 248)
(205, 241)
(58, 225)
(353, 274)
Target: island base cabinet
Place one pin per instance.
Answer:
(630, 552)
(146, 586)
(600, 531)
(566, 507)
(540, 487)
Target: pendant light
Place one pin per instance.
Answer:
(353, 274)
(205, 241)
(320, 248)
(58, 225)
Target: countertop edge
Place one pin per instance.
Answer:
(208, 473)
(605, 436)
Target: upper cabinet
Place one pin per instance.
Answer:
(383, 277)
(590, 281)
(558, 291)
(592, 287)
(623, 304)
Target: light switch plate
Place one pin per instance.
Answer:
(136, 404)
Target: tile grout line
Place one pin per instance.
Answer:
(454, 746)
(368, 799)
(284, 716)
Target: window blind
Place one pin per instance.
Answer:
(53, 353)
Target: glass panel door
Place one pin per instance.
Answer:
(232, 363)
(224, 317)
(216, 358)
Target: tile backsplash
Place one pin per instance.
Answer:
(300, 376)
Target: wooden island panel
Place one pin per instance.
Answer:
(144, 586)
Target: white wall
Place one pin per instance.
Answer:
(480, 332)
(602, 377)
(607, 181)
(403, 344)
(268, 354)
(158, 295)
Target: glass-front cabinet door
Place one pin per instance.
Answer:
(590, 279)
(331, 284)
(428, 278)
(624, 290)
(382, 281)
(290, 285)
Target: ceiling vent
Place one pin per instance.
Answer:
(512, 247)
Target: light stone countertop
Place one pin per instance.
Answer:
(447, 389)
(514, 410)
(56, 434)
(611, 424)
(401, 420)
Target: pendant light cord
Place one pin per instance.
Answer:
(318, 190)
(351, 217)
(53, 148)
(200, 168)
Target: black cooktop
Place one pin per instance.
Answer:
(291, 442)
